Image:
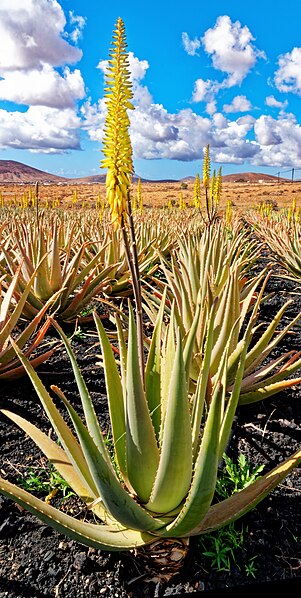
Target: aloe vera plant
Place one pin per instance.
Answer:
(167, 444)
(30, 337)
(72, 270)
(284, 241)
(168, 435)
(211, 271)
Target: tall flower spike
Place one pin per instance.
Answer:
(206, 168)
(197, 192)
(218, 186)
(116, 141)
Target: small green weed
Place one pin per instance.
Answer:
(220, 546)
(236, 476)
(250, 567)
(45, 480)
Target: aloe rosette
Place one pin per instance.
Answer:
(167, 442)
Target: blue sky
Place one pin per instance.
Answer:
(223, 73)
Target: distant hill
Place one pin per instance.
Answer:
(251, 177)
(16, 172)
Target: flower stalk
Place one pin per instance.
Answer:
(118, 161)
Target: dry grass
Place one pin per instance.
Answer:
(158, 194)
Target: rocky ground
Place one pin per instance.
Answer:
(37, 562)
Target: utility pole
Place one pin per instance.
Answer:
(293, 171)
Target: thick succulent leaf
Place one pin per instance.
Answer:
(116, 499)
(63, 432)
(55, 454)
(204, 380)
(175, 466)
(103, 537)
(238, 504)
(190, 341)
(90, 416)
(12, 371)
(203, 484)
(153, 370)
(265, 345)
(168, 357)
(268, 390)
(56, 279)
(8, 354)
(141, 445)
(115, 397)
(8, 324)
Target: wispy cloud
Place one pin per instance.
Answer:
(79, 23)
(191, 46)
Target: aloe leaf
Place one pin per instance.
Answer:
(141, 445)
(268, 390)
(114, 496)
(153, 370)
(261, 377)
(262, 348)
(7, 355)
(64, 434)
(12, 372)
(175, 466)
(41, 283)
(235, 394)
(90, 416)
(122, 353)
(115, 397)
(203, 484)
(190, 341)
(54, 453)
(12, 320)
(103, 537)
(238, 504)
(202, 384)
(56, 280)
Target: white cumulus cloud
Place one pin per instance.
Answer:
(238, 104)
(31, 34)
(231, 48)
(40, 129)
(273, 103)
(280, 141)
(288, 75)
(45, 87)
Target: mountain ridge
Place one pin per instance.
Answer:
(12, 171)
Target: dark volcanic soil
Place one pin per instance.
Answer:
(37, 562)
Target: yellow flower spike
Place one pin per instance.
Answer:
(139, 197)
(229, 212)
(218, 186)
(181, 202)
(213, 185)
(197, 192)
(206, 168)
(117, 144)
(294, 204)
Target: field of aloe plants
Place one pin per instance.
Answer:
(150, 362)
